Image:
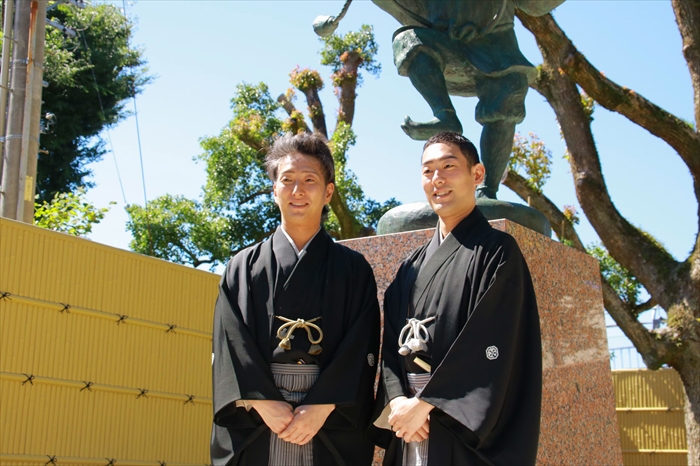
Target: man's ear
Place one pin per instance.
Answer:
(479, 173)
(330, 188)
(274, 191)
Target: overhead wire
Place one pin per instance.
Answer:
(143, 173)
(104, 119)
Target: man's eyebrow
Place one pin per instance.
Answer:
(291, 170)
(439, 159)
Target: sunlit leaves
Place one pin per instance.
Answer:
(68, 213)
(362, 42)
(621, 280)
(179, 230)
(531, 159)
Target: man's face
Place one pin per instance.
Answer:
(448, 181)
(300, 190)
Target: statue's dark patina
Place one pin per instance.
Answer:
(464, 48)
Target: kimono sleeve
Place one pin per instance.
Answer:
(348, 379)
(239, 370)
(494, 367)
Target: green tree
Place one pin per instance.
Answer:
(630, 257)
(68, 213)
(90, 77)
(237, 205)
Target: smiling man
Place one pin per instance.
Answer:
(462, 359)
(296, 331)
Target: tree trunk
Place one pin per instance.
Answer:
(690, 375)
(348, 225)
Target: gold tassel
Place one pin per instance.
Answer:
(315, 349)
(285, 344)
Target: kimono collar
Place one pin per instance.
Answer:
(464, 227)
(294, 246)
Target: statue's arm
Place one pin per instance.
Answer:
(537, 7)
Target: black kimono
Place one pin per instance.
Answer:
(267, 280)
(484, 348)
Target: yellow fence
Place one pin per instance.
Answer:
(650, 416)
(104, 354)
(105, 360)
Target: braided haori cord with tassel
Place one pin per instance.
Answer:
(286, 331)
(414, 336)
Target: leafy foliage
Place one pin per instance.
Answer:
(68, 213)
(237, 207)
(622, 281)
(336, 48)
(90, 76)
(531, 157)
(178, 229)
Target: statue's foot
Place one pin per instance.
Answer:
(424, 131)
(482, 192)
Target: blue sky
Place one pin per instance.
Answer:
(199, 50)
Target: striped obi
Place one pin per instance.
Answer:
(416, 453)
(293, 382)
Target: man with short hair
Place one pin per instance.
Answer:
(462, 358)
(296, 331)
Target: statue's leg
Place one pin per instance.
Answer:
(501, 106)
(426, 76)
(496, 146)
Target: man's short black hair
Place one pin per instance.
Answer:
(306, 144)
(465, 145)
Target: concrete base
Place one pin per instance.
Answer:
(579, 422)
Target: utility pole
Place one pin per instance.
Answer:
(22, 138)
(7, 41)
(32, 113)
(13, 135)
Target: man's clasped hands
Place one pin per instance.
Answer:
(408, 419)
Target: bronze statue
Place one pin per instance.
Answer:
(465, 48)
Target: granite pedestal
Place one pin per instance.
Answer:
(579, 422)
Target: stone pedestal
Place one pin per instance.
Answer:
(579, 422)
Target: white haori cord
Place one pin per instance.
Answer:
(414, 336)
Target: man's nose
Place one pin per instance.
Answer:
(298, 188)
(437, 177)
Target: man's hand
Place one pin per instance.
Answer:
(408, 416)
(277, 415)
(308, 420)
(421, 434)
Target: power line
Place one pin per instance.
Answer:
(143, 173)
(104, 119)
(138, 137)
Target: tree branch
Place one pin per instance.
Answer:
(346, 81)
(655, 352)
(318, 118)
(639, 308)
(296, 118)
(346, 219)
(199, 262)
(688, 19)
(645, 258)
(559, 50)
(560, 224)
(254, 195)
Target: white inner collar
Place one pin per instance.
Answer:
(291, 241)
